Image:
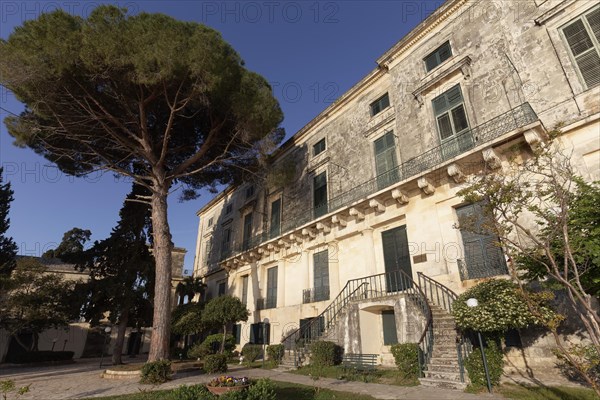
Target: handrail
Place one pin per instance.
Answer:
(518, 117)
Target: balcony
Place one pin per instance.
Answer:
(472, 138)
(266, 303)
(316, 294)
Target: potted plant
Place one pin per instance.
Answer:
(224, 384)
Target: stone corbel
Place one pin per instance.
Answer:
(491, 158)
(426, 186)
(466, 70)
(272, 247)
(533, 139)
(456, 173)
(295, 238)
(284, 243)
(338, 220)
(400, 196)
(377, 205)
(419, 99)
(323, 227)
(309, 233)
(355, 212)
(263, 252)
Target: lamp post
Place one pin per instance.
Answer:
(472, 303)
(264, 332)
(106, 336)
(54, 343)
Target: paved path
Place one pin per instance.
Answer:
(82, 380)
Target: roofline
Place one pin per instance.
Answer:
(383, 62)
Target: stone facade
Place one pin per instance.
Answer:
(517, 79)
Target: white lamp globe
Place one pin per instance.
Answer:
(107, 329)
(472, 302)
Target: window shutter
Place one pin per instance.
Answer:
(275, 227)
(589, 66)
(390, 335)
(440, 104)
(577, 37)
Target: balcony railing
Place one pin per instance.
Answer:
(266, 303)
(516, 118)
(315, 294)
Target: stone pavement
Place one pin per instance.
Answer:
(82, 380)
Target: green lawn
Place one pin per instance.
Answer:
(387, 376)
(519, 392)
(285, 391)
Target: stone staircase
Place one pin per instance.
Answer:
(287, 362)
(443, 369)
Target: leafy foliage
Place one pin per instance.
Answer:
(156, 372)
(8, 247)
(187, 318)
(192, 392)
(9, 386)
(325, 353)
(501, 307)
(276, 352)
(35, 300)
(262, 389)
(211, 345)
(406, 356)
(251, 352)
(215, 363)
(586, 357)
(222, 311)
(474, 366)
(71, 246)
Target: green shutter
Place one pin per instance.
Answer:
(320, 195)
(275, 227)
(583, 49)
(272, 287)
(593, 19)
(388, 320)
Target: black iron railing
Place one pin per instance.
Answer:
(370, 287)
(315, 294)
(516, 118)
(443, 297)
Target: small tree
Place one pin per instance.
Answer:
(222, 311)
(8, 248)
(35, 300)
(545, 218)
(187, 319)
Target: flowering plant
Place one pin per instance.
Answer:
(229, 381)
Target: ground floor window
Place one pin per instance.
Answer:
(260, 333)
(388, 319)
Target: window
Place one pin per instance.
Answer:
(247, 240)
(385, 160)
(260, 333)
(226, 241)
(388, 320)
(244, 298)
(271, 288)
(249, 191)
(452, 123)
(380, 104)
(583, 38)
(237, 333)
(319, 147)
(483, 256)
(440, 55)
(207, 249)
(275, 225)
(210, 222)
(320, 194)
(222, 288)
(228, 209)
(321, 278)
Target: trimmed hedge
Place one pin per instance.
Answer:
(212, 345)
(275, 352)
(325, 353)
(156, 372)
(251, 352)
(215, 363)
(406, 356)
(40, 356)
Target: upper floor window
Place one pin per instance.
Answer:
(210, 222)
(380, 104)
(226, 241)
(228, 209)
(452, 122)
(440, 55)
(247, 239)
(249, 191)
(319, 147)
(385, 160)
(320, 194)
(583, 38)
(275, 225)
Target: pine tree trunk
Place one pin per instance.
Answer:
(161, 320)
(118, 349)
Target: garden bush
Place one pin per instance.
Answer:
(193, 392)
(156, 372)
(587, 359)
(275, 352)
(215, 363)
(474, 365)
(40, 356)
(251, 352)
(325, 353)
(212, 345)
(406, 356)
(262, 389)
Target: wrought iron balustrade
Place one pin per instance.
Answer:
(315, 294)
(516, 118)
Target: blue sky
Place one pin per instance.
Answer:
(310, 51)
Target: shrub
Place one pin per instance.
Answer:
(324, 353)
(474, 365)
(251, 352)
(586, 357)
(262, 389)
(212, 345)
(194, 392)
(234, 395)
(406, 356)
(275, 352)
(40, 356)
(215, 363)
(156, 372)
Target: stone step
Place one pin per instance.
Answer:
(441, 383)
(449, 359)
(447, 376)
(443, 367)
